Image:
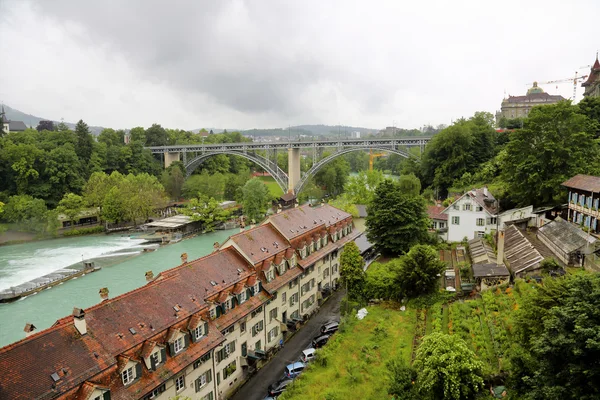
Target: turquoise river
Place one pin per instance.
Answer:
(123, 262)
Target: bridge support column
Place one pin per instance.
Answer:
(293, 168)
(170, 158)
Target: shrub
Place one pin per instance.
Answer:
(84, 231)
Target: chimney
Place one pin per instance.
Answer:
(252, 224)
(216, 246)
(485, 191)
(184, 258)
(438, 203)
(103, 293)
(79, 320)
(500, 246)
(29, 329)
(149, 276)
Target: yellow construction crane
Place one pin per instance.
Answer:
(575, 80)
(372, 157)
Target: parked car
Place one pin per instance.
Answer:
(320, 341)
(277, 388)
(330, 328)
(307, 355)
(294, 369)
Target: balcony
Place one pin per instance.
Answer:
(585, 210)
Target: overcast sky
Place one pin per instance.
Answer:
(274, 63)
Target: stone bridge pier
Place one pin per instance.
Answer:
(171, 157)
(293, 168)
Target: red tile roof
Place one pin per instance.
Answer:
(240, 311)
(437, 212)
(27, 365)
(282, 280)
(260, 243)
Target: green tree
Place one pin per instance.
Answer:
(345, 203)
(85, 143)
(114, 206)
(590, 107)
(447, 369)
(234, 184)
(71, 206)
(380, 280)
(555, 144)
(396, 220)
(28, 212)
(173, 179)
(419, 271)
(206, 210)
(557, 330)
(410, 184)
(402, 380)
(63, 170)
(256, 199)
(156, 135)
(352, 271)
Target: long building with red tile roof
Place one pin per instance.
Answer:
(194, 330)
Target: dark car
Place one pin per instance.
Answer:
(330, 328)
(277, 388)
(320, 341)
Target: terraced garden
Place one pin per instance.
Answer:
(353, 364)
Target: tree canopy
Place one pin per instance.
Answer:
(419, 271)
(352, 271)
(256, 199)
(396, 220)
(447, 369)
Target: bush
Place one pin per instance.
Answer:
(402, 380)
(84, 231)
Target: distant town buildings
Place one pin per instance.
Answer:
(11, 126)
(520, 106)
(592, 85)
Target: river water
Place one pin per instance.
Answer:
(123, 268)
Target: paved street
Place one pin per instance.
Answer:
(256, 387)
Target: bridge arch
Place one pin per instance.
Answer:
(321, 163)
(272, 168)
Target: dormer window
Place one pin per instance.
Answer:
(303, 252)
(243, 296)
(213, 313)
(199, 332)
(127, 376)
(227, 305)
(178, 345)
(270, 274)
(155, 358)
(256, 288)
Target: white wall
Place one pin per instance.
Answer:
(467, 225)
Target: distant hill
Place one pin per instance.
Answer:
(33, 121)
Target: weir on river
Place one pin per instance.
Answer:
(123, 268)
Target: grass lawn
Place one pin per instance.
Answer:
(272, 185)
(353, 364)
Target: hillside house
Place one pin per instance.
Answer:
(472, 215)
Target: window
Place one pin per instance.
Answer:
(467, 207)
(256, 288)
(213, 313)
(198, 332)
(272, 334)
(456, 207)
(293, 299)
(229, 370)
(259, 326)
(325, 273)
(154, 394)
(480, 234)
(257, 345)
(228, 330)
(243, 296)
(227, 305)
(178, 345)
(242, 327)
(480, 222)
(179, 383)
(493, 221)
(434, 225)
(203, 380)
(272, 314)
(270, 275)
(155, 357)
(201, 360)
(283, 298)
(442, 225)
(335, 268)
(455, 220)
(127, 376)
(479, 208)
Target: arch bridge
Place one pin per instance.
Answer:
(265, 155)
